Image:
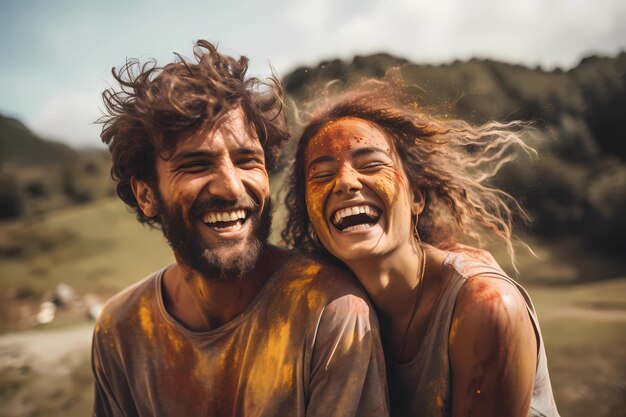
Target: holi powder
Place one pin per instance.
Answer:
(453, 329)
(305, 285)
(274, 350)
(337, 140)
(145, 319)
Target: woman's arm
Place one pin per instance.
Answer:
(493, 350)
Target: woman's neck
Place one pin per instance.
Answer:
(391, 281)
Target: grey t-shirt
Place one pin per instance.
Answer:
(424, 385)
(308, 345)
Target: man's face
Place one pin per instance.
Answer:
(213, 199)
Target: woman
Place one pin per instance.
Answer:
(393, 194)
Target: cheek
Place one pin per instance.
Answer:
(258, 183)
(182, 193)
(315, 204)
(388, 185)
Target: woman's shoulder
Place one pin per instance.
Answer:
(488, 300)
(490, 314)
(469, 261)
(486, 294)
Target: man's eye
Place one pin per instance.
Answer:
(195, 166)
(246, 162)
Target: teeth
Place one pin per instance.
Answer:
(358, 226)
(351, 211)
(224, 216)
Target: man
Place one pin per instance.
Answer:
(236, 326)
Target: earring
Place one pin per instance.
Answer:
(416, 235)
(314, 237)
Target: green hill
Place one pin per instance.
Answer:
(21, 146)
(37, 175)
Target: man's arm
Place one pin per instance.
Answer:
(348, 365)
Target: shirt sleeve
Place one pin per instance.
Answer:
(112, 395)
(348, 366)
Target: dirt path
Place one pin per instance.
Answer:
(44, 347)
(45, 372)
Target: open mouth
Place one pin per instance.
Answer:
(356, 218)
(226, 221)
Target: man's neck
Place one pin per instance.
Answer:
(203, 304)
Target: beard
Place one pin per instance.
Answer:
(217, 262)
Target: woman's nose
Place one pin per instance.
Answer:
(347, 181)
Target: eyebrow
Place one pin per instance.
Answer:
(211, 154)
(193, 154)
(248, 150)
(320, 159)
(368, 150)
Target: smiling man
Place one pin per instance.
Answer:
(235, 326)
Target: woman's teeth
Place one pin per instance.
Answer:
(356, 217)
(352, 211)
(358, 227)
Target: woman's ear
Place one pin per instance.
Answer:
(419, 201)
(145, 197)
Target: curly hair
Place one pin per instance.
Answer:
(450, 160)
(157, 107)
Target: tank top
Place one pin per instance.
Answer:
(423, 386)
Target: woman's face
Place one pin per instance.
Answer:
(357, 195)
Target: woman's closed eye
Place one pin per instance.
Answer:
(372, 165)
(321, 175)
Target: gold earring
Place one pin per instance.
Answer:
(416, 233)
(417, 241)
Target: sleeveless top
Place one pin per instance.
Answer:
(424, 385)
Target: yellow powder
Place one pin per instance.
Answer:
(145, 319)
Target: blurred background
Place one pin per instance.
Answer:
(67, 243)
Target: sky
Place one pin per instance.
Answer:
(56, 56)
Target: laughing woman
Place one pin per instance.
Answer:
(392, 194)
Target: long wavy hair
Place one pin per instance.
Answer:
(157, 107)
(450, 160)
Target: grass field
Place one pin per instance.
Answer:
(100, 248)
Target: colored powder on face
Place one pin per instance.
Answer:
(337, 139)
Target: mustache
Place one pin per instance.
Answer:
(202, 205)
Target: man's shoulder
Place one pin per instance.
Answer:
(125, 304)
(311, 274)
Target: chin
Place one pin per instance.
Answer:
(362, 250)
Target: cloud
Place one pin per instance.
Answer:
(70, 118)
(56, 49)
(548, 32)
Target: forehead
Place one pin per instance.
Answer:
(345, 135)
(230, 133)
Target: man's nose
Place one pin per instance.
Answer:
(227, 182)
(347, 180)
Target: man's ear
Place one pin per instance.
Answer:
(145, 197)
(419, 201)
